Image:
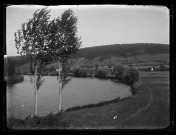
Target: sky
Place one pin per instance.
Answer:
(100, 24)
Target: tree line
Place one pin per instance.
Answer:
(127, 75)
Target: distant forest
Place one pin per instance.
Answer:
(125, 50)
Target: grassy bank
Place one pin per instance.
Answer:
(108, 116)
(94, 105)
(156, 115)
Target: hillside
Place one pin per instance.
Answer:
(139, 53)
(122, 50)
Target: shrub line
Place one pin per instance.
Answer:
(15, 79)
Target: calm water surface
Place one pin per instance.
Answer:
(80, 91)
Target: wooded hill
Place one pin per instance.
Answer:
(124, 50)
(112, 54)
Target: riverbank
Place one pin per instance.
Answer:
(14, 79)
(96, 117)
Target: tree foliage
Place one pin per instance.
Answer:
(131, 76)
(63, 35)
(119, 71)
(126, 74)
(80, 72)
(63, 41)
(30, 40)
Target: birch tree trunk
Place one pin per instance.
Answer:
(35, 87)
(60, 85)
(60, 95)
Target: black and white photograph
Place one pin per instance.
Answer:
(87, 67)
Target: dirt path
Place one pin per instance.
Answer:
(141, 109)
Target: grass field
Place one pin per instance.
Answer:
(156, 115)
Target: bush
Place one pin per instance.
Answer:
(100, 73)
(133, 88)
(90, 72)
(15, 79)
(131, 76)
(84, 72)
(128, 78)
(119, 72)
(126, 75)
(80, 72)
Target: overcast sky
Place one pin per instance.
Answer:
(101, 25)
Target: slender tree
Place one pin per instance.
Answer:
(64, 41)
(30, 41)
